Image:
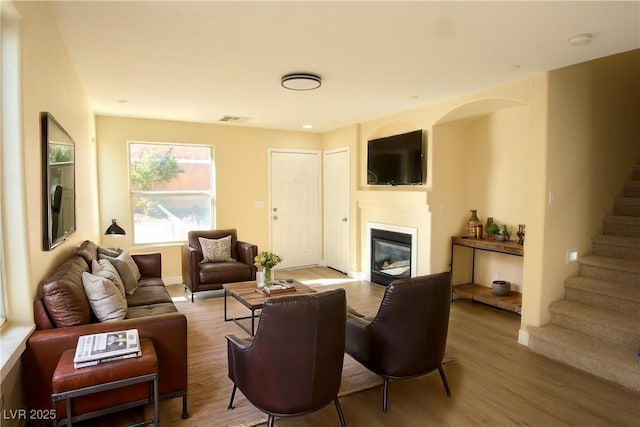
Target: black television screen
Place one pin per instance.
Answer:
(395, 160)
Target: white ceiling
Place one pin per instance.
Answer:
(199, 61)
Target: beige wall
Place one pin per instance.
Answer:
(241, 168)
(49, 83)
(593, 142)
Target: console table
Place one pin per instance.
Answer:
(476, 292)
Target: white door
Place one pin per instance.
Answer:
(336, 209)
(295, 207)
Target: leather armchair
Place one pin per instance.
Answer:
(198, 276)
(293, 365)
(408, 336)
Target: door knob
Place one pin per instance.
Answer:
(275, 217)
(344, 219)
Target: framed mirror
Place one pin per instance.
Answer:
(58, 183)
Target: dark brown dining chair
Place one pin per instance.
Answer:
(293, 364)
(408, 335)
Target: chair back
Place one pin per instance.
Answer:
(300, 344)
(192, 239)
(409, 332)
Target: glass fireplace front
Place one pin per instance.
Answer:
(390, 256)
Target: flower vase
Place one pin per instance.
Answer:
(266, 276)
(260, 279)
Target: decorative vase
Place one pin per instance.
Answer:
(500, 287)
(266, 276)
(472, 223)
(260, 279)
(520, 234)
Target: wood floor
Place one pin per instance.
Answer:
(494, 380)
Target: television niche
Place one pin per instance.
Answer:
(396, 160)
(58, 183)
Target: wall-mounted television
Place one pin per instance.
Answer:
(396, 160)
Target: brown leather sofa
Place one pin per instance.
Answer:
(62, 314)
(198, 276)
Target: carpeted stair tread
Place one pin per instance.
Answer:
(605, 288)
(603, 359)
(616, 246)
(626, 265)
(607, 325)
(622, 219)
(628, 242)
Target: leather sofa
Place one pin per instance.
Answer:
(206, 276)
(62, 314)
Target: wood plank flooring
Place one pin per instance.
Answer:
(494, 380)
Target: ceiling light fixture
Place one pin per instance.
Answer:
(301, 81)
(307, 126)
(580, 39)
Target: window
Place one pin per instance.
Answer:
(171, 191)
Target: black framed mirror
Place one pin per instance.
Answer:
(58, 182)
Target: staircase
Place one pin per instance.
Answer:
(596, 327)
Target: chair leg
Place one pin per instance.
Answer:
(444, 380)
(233, 395)
(340, 414)
(185, 414)
(385, 395)
(270, 421)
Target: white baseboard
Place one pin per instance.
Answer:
(175, 280)
(523, 337)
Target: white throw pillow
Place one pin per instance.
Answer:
(104, 297)
(127, 269)
(104, 268)
(216, 250)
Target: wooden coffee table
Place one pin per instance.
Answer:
(253, 298)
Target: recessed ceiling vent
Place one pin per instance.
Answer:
(234, 119)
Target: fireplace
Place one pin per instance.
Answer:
(391, 255)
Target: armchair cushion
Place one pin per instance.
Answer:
(216, 250)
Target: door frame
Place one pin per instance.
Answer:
(272, 150)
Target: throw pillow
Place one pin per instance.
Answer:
(104, 297)
(104, 268)
(109, 252)
(127, 269)
(216, 250)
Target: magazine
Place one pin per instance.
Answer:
(107, 345)
(105, 360)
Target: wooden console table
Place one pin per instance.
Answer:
(476, 292)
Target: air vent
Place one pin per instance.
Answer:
(234, 119)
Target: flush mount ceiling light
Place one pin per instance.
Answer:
(580, 39)
(301, 81)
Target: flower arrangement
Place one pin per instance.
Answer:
(267, 260)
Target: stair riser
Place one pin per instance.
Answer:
(628, 230)
(624, 338)
(622, 277)
(615, 251)
(602, 301)
(636, 173)
(632, 189)
(577, 358)
(626, 209)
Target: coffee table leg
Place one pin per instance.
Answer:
(225, 305)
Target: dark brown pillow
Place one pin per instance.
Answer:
(87, 250)
(63, 294)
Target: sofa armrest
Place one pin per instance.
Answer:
(150, 265)
(246, 254)
(44, 348)
(190, 262)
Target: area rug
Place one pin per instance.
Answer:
(209, 386)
